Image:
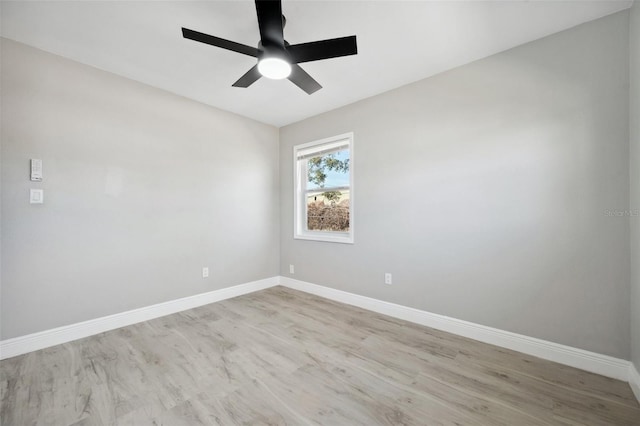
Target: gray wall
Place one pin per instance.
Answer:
(634, 159)
(142, 189)
(483, 191)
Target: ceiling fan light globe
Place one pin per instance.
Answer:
(274, 68)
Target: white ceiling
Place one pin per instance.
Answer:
(398, 42)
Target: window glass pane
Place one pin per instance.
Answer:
(329, 170)
(328, 211)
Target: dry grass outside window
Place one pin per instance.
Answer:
(331, 216)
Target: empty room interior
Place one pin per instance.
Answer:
(320, 212)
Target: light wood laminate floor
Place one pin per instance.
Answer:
(280, 356)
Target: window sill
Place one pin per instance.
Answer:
(342, 238)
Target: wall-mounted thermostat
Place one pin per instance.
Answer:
(36, 170)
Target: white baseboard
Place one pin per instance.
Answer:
(579, 358)
(634, 381)
(44, 339)
(567, 355)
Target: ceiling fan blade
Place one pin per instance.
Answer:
(270, 22)
(248, 78)
(323, 49)
(300, 78)
(219, 42)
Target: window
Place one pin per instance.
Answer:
(324, 190)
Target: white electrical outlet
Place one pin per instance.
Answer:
(387, 278)
(205, 272)
(292, 270)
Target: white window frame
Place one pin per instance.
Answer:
(300, 230)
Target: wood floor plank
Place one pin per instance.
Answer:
(282, 357)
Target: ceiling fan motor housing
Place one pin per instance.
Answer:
(273, 51)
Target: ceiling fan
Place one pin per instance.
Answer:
(277, 59)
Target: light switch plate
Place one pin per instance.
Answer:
(36, 170)
(36, 196)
